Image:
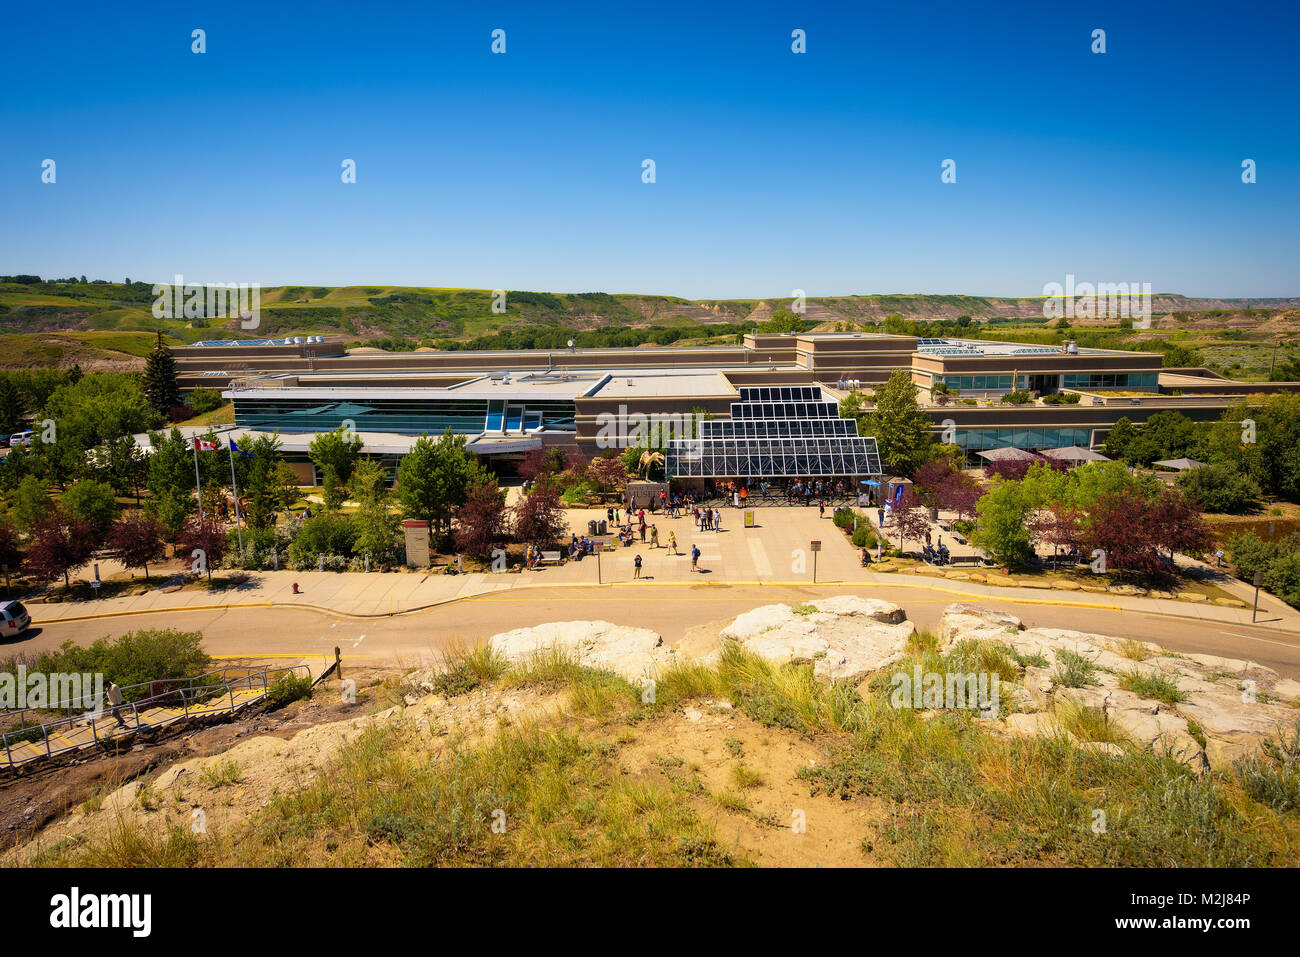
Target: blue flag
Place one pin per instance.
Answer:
(235, 445)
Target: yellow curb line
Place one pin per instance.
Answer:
(153, 611)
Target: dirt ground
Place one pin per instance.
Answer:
(33, 800)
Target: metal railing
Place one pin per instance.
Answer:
(201, 696)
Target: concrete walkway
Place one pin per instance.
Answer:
(777, 550)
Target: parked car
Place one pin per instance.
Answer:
(20, 438)
(14, 619)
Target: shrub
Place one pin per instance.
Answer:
(331, 534)
(1220, 488)
(1155, 686)
(288, 688)
(1272, 775)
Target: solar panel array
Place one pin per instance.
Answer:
(776, 432)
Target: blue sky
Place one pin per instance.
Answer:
(775, 171)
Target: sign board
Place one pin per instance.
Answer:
(1259, 579)
(816, 546)
(417, 543)
(749, 518)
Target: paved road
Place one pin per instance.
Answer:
(667, 609)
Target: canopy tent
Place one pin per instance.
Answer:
(1008, 455)
(1074, 453)
(1179, 465)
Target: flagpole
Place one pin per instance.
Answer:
(230, 447)
(198, 482)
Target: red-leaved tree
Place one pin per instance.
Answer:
(136, 540)
(481, 521)
(539, 516)
(1135, 531)
(59, 543)
(207, 535)
(959, 493)
(910, 517)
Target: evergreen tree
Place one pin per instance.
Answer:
(900, 426)
(160, 379)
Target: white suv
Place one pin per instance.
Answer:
(14, 619)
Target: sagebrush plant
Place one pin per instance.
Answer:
(1073, 670)
(288, 688)
(1271, 775)
(1154, 685)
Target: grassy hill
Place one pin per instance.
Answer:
(111, 325)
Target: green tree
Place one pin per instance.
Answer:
(11, 404)
(377, 527)
(93, 503)
(1003, 531)
(434, 479)
(268, 484)
(1220, 488)
(335, 454)
(160, 386)
(31, 502)
(901, 428)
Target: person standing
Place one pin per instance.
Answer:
(654, 536)
(717, 519)
(695, 557)
(636, 567)
(672, 543)
(821, 509)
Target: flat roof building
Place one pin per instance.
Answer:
(768, 406)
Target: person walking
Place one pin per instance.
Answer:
(114, 695)
(695, 557)
(672, 543)
(654, 536)
(636, 567)
(821, 509)
(643, 526)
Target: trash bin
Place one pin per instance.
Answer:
(604, 528)
(592, 526)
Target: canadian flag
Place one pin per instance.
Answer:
(205, 445)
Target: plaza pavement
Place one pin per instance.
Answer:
(777, 551)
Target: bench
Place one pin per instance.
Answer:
(965, 560)
(549, 558)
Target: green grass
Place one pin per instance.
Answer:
(1073, 670)
(1159, 687)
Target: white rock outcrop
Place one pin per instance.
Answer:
(633, 653)
(845, 637)
(1230, 704)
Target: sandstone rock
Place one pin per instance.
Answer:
(1002, 581)
(1131, 590)
(1034, 583)
(1033, 724)
(1095, 589)
(846, 637)
(1192, 596)
(1065, 584)
(957, 575)
(1230, 603)
(630, 652)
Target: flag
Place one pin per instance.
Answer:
(205, 445)
(235, 445)
(898, 495)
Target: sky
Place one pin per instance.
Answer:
(774, 171)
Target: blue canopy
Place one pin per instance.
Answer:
(869, 482)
